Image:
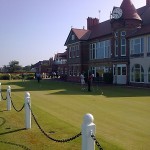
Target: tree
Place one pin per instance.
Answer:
(14, 66)
(27, 68)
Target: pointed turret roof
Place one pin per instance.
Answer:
(129, 11)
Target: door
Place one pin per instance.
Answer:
(120, 74)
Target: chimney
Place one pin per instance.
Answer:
(147, 2)
(91, 22)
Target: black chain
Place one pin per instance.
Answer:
(96, 142)
(15, 107)
(56, 140)
(2, 96)
(19, 145)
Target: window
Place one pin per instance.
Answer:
(149, 75)
(74, 71)
(100, 50)
(137, 73)
(137, 46)
(124, 70)
(107, 49)
(148, 50)
(123, 47)
(103, 49)
(73, 51)
(73, 37)
(70, 72)
(119, 71)
(116, 34)
(77, 50)
(69, 52)
(116, 47)
(123, 33)
(93, 51)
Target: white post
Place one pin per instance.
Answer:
(0, 92)
(88, 127)
(8, 98)
(27, 110)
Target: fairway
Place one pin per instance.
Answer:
(121, 115)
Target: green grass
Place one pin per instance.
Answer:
(121, 116)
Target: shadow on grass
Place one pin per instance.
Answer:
(2, 121)
(9, 132)
(15, 144)
(12, 131)
(67, 88)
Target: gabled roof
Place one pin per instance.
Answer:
(144, 13)
(129, 11)
(82, 34)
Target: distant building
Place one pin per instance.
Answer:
(44, 66)
(60, 64)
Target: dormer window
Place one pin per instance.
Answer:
(73, 37)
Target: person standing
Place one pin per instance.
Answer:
(38, 76)
(90, 78)
(22, 77)
(82, 81)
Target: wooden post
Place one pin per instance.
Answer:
(27, 110)
(8, 98)
(88, 127)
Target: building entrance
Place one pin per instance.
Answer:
(119, 74)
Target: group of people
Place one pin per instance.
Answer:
(89, 81)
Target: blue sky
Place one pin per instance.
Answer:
(34, 30)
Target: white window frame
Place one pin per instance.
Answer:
(132, 78)
(116, 47)
(123, 33)
(93, 51)
(133, 44)
(107, 48)
(123, 45)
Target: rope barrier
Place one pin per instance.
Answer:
(53, 139)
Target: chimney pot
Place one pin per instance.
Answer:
(91, 22)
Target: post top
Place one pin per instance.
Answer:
(27, 94)
(88, 118)
(9, 87)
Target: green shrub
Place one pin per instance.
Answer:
(29, 76)
(4, 76)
